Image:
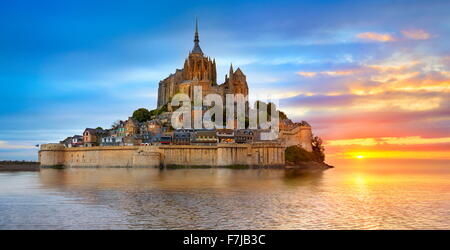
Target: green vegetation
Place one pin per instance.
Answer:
(141, 115)
(297, 155)
(99, 128)
(159, 111)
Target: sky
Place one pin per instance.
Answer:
(371, 77)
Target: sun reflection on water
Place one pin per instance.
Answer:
(351, 196)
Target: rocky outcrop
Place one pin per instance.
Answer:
(308, 165)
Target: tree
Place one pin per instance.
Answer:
(142, 115)
(156, 112)
(116, 124)
(99, 128)
(298, 155)
(318, 148)
(283, 116)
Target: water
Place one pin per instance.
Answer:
(347, 197)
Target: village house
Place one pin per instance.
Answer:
(154, 126)
(132, 140)
(77, 141)
(131, 127)
(118, 129)
(67, 142)
(92, 137)
(73, 141)
(152, 139)
(166, 138)
(204, 137)
(182, 137)
(225, 136)
(244, 136)
(111, 138)
(150, 131)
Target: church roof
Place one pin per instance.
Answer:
(239, 71)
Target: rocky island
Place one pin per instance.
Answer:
(253, 137)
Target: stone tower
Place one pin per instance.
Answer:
(197, 66)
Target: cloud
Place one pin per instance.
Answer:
(327, 73)
(349, 83)
(394, 154)
(378, 37)
(406, 81)
(307, 74)
(413, 34)
(416, 34)
(409, 140)
(9, 145)
(399, 72)
(335, 105)
(393, 65)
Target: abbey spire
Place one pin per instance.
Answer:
(196, 49)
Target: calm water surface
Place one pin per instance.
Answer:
(347, 197)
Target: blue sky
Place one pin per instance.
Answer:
(68, 65)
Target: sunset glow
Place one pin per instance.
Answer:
(436, 155)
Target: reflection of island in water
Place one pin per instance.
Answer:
(350, 197)
(297, 177)
(150, 178)
(183, 198)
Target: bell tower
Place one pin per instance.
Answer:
(197, 66)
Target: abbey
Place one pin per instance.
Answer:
(200, 70)
(154, 141)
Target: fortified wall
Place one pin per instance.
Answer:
(299, 136)
(253, 155)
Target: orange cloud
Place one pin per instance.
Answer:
(393, 66)
(416, 34)
(409, 140)
(374, 106)
(373, 36)
(348, 142)
(406, 81)
(435, 155)
(409, 147)
(307, 74)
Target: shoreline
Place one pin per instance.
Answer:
(19, 166)
(309, 166)
(305, 166)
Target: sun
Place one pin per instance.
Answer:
(360, 156)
